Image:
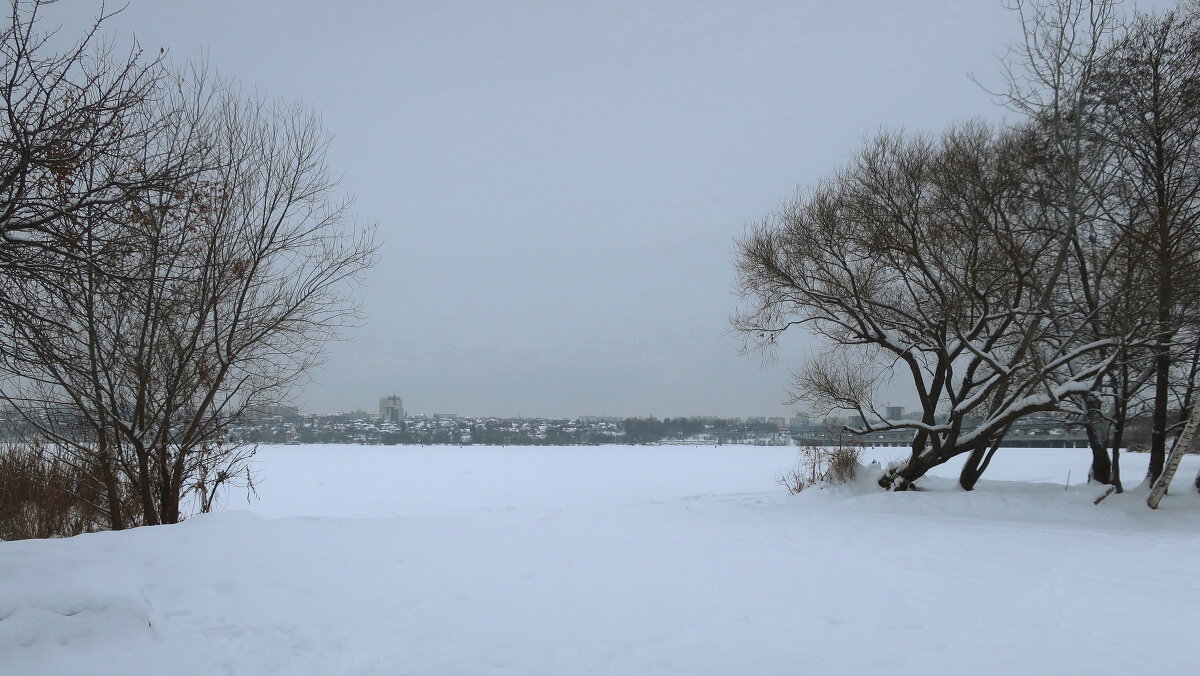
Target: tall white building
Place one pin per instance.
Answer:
(391, 409)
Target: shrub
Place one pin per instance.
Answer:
(837, 464)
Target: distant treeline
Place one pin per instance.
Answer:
(650, 430)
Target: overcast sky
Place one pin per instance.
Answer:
(558, 185)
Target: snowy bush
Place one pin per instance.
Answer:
(837, 465)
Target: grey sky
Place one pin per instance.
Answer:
(559, 184)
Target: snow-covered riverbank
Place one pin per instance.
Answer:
(618, 560)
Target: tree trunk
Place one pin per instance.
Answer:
(165, 488)
(1162, 343)
(172, 487)
(146, 487)
(905, 477)
(1118, 438)
(1162, 393)
(1101, 469)
(112, 490)
(970, 472)
(976, 464)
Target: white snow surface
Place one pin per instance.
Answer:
(620, 560)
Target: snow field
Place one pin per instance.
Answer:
(619, 560)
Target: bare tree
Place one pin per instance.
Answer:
(936, 259)
(199, 302)
(1049, 74)
(1148, 112)
(1091, 206)
(73, 138)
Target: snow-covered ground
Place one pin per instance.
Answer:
(619, 560)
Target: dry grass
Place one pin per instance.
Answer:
(42, 496)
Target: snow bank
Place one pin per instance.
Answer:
(617, 560)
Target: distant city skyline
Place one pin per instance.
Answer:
(397, 403)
